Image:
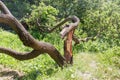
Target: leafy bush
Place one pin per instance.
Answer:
(101, 17)
(42, 16)
(111, 56)
(19, 8)
(92, 46)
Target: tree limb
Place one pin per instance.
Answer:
(77, 40)
(4, 8)
(70, 27)
(74, 19)
(38, 46)
(19, 55)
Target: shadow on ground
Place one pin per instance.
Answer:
(10, 75)
(34, 74)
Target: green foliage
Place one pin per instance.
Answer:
(96, 16)
(11, 41)
(65, 7)
(111, 56)
(92, 46)
(86, 66)
(104, 18)
(19, 8)
(42, 16)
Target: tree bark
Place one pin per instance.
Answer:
(68, 48)
(38, 47)
(69, 31)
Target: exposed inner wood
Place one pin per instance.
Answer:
(68, 48)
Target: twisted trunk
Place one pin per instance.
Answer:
(38, 47)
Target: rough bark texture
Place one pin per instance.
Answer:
(39, 47)
(68, 48)
(69, 31)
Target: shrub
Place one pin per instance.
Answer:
(111, 56)
(42, 16)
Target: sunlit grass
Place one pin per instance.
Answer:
(87, 66)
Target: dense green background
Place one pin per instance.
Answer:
(96, 16)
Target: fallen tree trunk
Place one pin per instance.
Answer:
(38, 47)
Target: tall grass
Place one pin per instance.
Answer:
(102, 65)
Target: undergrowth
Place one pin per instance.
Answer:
(92, 60)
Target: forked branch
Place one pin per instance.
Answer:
(38, 47)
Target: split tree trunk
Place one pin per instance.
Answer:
(68, 48)
(38, 47)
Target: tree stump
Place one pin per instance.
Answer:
(68, 48)
(68, 31)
